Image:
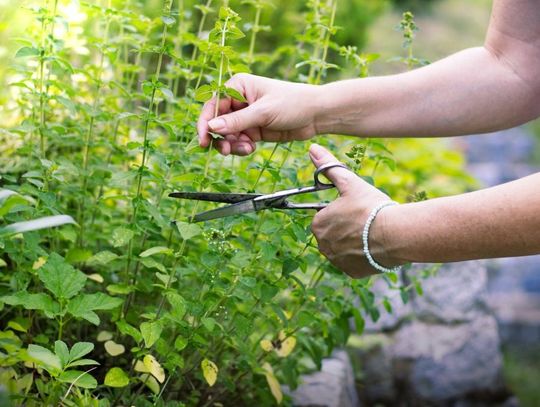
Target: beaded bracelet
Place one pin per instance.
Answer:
(365, 238)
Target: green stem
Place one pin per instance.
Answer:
(195, 49)
(149, 113)
(89, 140)
(254, 32)
(327, 41)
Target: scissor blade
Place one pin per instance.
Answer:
(235, 209)
(214, 196)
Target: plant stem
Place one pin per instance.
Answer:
(327, 41)
(255, 30)
(90, 135)
(147, 120)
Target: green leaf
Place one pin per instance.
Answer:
(102, 258)
(359, 321)
(178, 305)
(36, 224)
(289, 265)
(26, 52)
(46, 358)
(83, 305)
(41, 301)
(120, 288)
(235, 94)
(79, 379)
(61, 278)
(121, 236)
(82, 362)
(129, 330)
(387, 305)
(156, 250)
(188, 230)
(151, 331)
(209, 323)
(116, 377)
(62, 351)
(180, 343)
(204, 93)
(166, 92)
(80, 349)
(168, 20)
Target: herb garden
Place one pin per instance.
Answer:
(108, 294)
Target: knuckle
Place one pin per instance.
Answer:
(316, 225)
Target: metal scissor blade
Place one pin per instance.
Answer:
(214, 196)
(235, 209)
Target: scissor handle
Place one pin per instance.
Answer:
(319, 185)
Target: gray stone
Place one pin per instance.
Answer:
(456, 294)
(333, 386)
(508, 146)
(518, 315)
(376, 376)
(442, 362)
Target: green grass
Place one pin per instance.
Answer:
(522, 374)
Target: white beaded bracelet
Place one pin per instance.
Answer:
(365, 238)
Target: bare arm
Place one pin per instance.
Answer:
(502, 221)
(477, 90)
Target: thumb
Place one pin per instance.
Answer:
(236, 122)
(342, 178)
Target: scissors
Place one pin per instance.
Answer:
(244, 203)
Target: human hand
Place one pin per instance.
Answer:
(275, 111)
(338, 227)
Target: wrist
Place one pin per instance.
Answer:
(384, 242)
(323, 115)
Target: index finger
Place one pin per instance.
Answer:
(207, 114)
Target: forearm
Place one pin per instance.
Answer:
(502, 221)
(472, 91)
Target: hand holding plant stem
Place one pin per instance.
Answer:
(274, 110)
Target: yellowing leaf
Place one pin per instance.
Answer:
(150, 382)
(113, 348)
(286, 345)
(104, 336)
(275, 388)
(38, 263)
(116, 377)
(266, 345)
(96, 277)
(154, 368)
(140, 367)
(210, 371)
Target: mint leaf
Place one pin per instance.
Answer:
(60, 278)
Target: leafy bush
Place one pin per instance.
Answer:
(127, 307)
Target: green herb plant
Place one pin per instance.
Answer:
(108, 295)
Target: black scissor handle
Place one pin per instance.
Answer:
(322, 169)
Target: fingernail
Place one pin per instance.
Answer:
(243, 149)
(316, 151)
(217, 124)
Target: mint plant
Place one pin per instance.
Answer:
(108, 295)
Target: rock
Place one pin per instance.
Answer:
(333, 386)
(443, 362)
(377, 379)
(456, 294)
(518, 315)
(508, 146)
